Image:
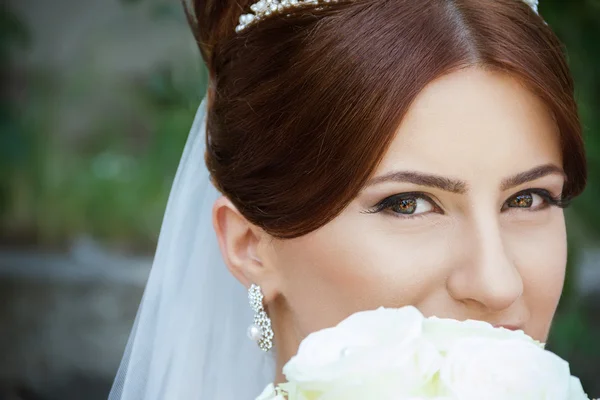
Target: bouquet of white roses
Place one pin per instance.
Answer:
(398, 354)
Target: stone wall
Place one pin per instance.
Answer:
(65, 320)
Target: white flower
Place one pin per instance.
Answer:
(270, 394)
(576, 390)
(445, 332)
(397, 354)
(497, 369)
(379, 390)
(383, 346)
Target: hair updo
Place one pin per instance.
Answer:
(303, 106)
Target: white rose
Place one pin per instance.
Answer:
(382, 387)
(576, 390)
(374, 390)
(372, 345)
(497, 369)
(445, 332)
(270, 394)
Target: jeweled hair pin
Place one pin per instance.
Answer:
(264, 8)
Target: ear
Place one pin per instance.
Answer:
(242, 247)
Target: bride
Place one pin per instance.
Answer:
(353, 154)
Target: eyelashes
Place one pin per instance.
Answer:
(523, 199)
(406, 205)
(403, 204)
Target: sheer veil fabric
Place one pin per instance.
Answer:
(189, 338)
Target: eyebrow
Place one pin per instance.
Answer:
(532, 175)
(461, 187)
(421, 179)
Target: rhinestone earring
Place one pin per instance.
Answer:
(260, 331)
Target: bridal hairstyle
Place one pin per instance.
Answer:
(303, 106)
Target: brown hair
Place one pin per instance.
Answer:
(303, 106)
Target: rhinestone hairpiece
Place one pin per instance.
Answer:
(533, 4)
(264, 8)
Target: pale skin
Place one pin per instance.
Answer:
(468, 250)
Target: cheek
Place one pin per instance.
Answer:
(540, 253)
(359, 264)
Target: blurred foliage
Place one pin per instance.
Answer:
(114, 183)
(12, 33)
(111, 183)
(12, 145)
(161, 10)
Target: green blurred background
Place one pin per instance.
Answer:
(97, 100)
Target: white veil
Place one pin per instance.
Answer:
(189, 337)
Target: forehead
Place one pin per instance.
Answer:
(474, 122)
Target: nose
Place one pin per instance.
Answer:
(485, 273)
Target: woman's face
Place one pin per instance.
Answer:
(456, 220)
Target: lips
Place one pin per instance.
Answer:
(509, 327)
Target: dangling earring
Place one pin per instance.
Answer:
(260, 331)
